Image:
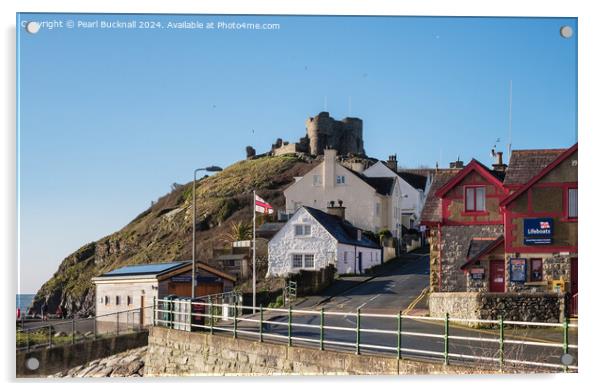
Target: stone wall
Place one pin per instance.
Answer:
(555, 267)
(454, 248)
(435, 259)
(58, 358)
(180, 353)
(310, 282)
(527, 307)
(464, 305)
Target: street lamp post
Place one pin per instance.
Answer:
(208, 169)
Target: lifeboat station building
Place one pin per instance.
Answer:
(504, 240)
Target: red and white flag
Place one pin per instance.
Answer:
(263, 207)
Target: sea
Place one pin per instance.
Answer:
(24, 300)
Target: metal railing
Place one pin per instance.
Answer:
(71, 331)
(505, 348)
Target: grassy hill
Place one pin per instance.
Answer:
(163, 232)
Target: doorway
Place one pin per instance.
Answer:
(141, 320)
(497, 276)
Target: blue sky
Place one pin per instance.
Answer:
(109, 119)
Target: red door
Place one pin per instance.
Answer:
(574, 287)
(497, 276)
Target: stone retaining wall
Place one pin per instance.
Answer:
(528, 307)
(58, 358)
(180, 353)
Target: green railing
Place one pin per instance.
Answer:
(211, 320)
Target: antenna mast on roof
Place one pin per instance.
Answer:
(510, 123)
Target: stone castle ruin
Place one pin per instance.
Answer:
(323, 132)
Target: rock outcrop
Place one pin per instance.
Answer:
(127, 364)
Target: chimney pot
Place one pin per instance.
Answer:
(500, 166)
(337, 211)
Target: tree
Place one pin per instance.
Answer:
(240, 230)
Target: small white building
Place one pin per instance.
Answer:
(414, 187)
(312, 239)
(372, 203)
(134, 288)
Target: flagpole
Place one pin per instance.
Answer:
(254, 279)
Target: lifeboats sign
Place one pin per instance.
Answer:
(538, 231)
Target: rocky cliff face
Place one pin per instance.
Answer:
(163, 232)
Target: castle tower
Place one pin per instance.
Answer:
(345, 136)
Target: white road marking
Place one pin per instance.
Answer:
(375, 297)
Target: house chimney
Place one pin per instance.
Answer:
(337, 211)
(392, 162)
(330, 159)
(457, 164)
(500, 166)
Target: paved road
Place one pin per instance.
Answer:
(400, 283)
(403, 281)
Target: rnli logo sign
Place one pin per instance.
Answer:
(538, 231)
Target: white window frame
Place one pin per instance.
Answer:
(313, 261)
(303, 261)
(317, 180)
(305, 228)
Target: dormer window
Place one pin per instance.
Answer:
(474, 199)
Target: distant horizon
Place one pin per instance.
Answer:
(109, 119)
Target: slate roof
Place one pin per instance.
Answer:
(146, 269)
(158, 269)
(229, 257)
(417, 181)
(478, 245)
(431, 212)
(382, 185)
(268, 230)
(343, 231)
(526, 163)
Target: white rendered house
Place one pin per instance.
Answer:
(372, 203)
(414, 188)
(312, 239)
